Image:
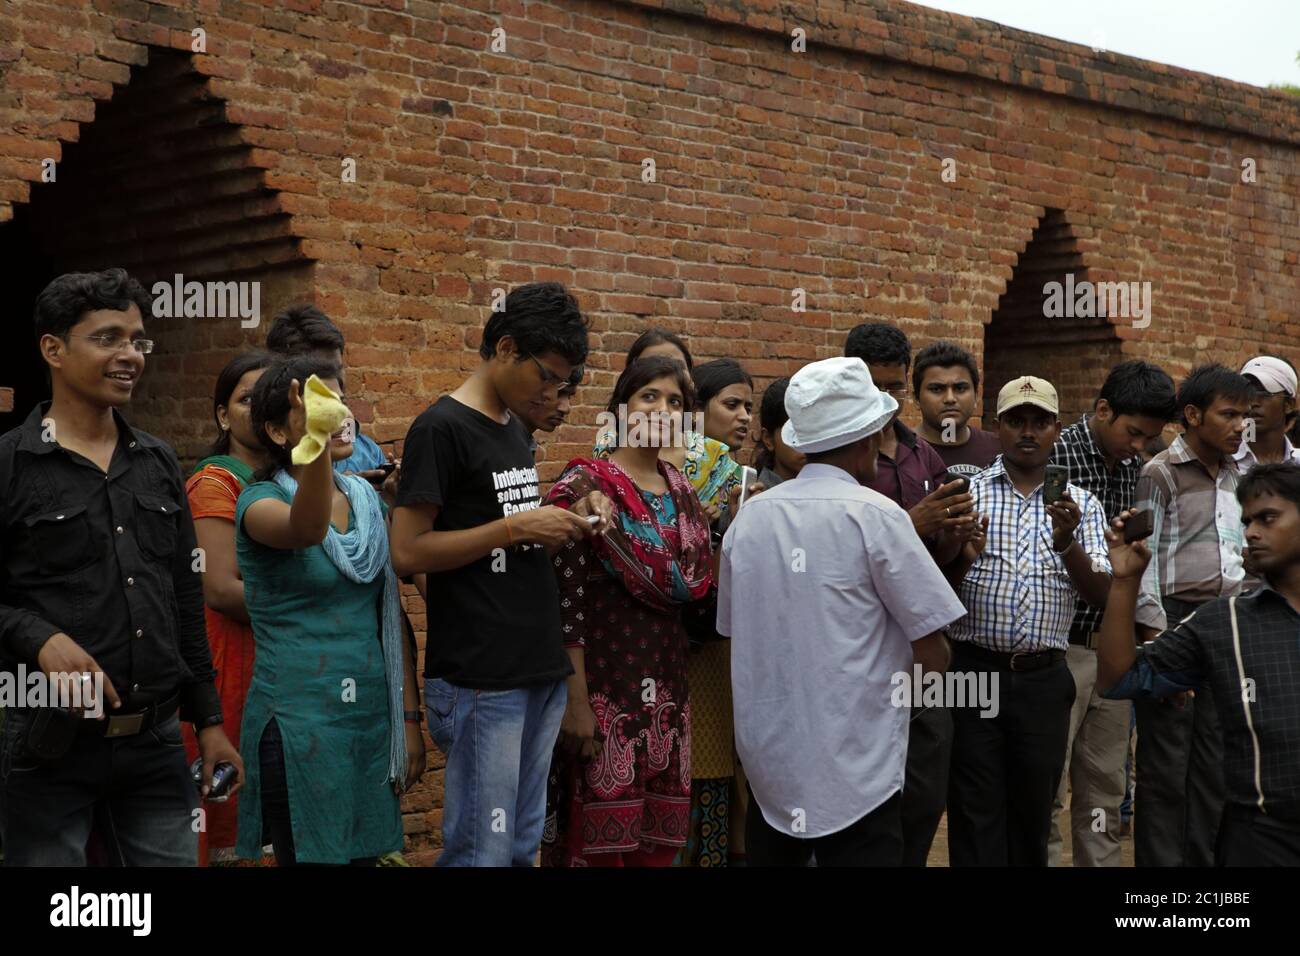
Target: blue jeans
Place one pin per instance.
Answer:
(135, 792)
(498, 746)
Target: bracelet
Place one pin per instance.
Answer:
(1065, 549)
(510, 541)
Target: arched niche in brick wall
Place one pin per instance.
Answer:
(160, 183)
(1072, 351)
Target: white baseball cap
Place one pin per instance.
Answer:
(1273, 373)
(833, 403)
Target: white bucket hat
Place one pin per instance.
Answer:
(833, 403)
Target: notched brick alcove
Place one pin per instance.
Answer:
(159, 183)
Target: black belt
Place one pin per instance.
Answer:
(118, 724)
(1013, 661)
(1084, 637)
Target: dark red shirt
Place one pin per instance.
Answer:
(914, 473)
(973, 455)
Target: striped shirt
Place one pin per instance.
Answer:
(1252, 664)
(1245, 457)
(1018, 593)
(1077, 450)
(1197, 536)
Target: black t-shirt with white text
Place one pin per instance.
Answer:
(494, 623)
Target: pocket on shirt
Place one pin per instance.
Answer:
(156, 517)
(61, 540)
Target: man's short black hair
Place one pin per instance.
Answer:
(540, 317)
(1279, 478)
(1140, 388)
(1205, 383)
(66, 300)
(879, 343)
(303, 328)
(943, 355)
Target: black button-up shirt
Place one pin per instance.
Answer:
(1253, 668)
(109, 560)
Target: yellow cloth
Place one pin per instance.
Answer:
(325, 413)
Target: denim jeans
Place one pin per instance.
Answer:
(135, 792)
(498, 747)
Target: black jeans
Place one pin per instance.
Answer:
(276, 821)
(1181, 791)
(135, 792)
(925, 788)
(1006, 768)
(875, 840)
(1248, 837)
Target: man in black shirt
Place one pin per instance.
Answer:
(1243, 647)
(98, 585)
(468, 514)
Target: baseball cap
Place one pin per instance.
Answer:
(1273, 373)
(1028, 390)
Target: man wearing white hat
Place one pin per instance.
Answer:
(829, 596)
(1273, 412)
(1043, 554)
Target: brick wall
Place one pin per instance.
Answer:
(774, 170)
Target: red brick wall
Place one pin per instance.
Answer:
(775, 170)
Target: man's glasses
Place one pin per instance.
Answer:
(114, 343)
(567, 384)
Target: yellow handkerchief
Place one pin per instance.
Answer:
(325, 413)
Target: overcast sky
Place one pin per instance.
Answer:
(1254, 41)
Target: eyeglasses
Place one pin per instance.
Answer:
(898, 392)
(113, 343)
(551, 380)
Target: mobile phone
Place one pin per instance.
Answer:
(1138, 527)
(747, 477)
(949, 477)
(387, 469)
(1054, 481)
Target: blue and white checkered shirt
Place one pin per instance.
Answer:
(1018, 593)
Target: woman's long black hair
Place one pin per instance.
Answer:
(227, 382)
(271, 404)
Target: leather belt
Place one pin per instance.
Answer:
(1014, 661)
(117, 724)
(1084, 638)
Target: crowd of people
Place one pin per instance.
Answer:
(669, 657)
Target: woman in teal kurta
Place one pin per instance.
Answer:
(321, 676)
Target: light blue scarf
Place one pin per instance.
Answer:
(361, 555)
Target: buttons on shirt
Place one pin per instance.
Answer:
(135, 688)
(119, 530)
(131, 445)
(139, 632)
(130, 582)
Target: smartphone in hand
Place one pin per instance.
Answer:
(1138, 527)
(1054, 482)
(747, 477)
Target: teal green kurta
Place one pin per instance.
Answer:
(319, 671)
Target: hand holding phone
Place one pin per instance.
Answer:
(1055, 478)
(1137, 527)
(747, 477)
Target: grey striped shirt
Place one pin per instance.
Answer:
(1197, 537)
